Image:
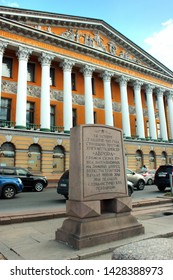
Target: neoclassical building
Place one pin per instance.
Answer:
(58, 71)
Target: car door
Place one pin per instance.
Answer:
(131, 176)
(23, 174)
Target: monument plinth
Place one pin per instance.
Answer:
(99, 208)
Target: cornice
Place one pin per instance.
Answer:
(53, 39)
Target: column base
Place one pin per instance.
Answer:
(20, 127)
(44, 129)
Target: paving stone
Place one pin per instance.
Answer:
(149, 249)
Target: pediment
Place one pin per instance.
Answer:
(93, 34)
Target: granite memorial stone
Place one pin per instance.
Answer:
(99, 208)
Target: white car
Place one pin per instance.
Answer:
(136, 178)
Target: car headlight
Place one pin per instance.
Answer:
(20, 181)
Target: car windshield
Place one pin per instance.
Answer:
(21, 172)
(165, 168)
(65, 175)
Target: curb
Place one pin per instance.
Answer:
(5, 220)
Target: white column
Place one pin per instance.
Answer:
(124, 106)
(23, 55)
(170, 111)
(162, 117)
(89, 112)
(151, 113)
(108, 98)
(67, 115)
(3, 45)
(139, 112)
(45, 91)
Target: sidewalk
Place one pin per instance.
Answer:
(32, 237)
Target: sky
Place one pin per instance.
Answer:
(149, 23)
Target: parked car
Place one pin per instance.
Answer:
(63, 184)
(29, 180)
(9, 187)
(136, 178)
(162, 177)
(148, 176)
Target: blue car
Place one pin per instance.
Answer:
(9, 187)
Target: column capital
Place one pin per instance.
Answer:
(23, 53)
(160, 91)
(46, 59)
(3, 45)
(123, 80)
(106, 75)
(137, 84)
(149, 88)
(67, 64)
(169, 94)
(87, 70)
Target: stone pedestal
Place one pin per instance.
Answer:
(86, 232)
(99, 208)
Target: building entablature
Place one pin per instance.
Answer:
(60, 59)
(132, 57)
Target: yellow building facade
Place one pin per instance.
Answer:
(59, 71)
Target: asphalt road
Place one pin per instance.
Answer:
(49, 199)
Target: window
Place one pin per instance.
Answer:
(74, 117)
(30, 112)
(158, 130)
(95, 117)
(148, 128)
(52, 76)
(31, 72)
(7, 67)
(52, 115)
(5, 109)
(73, 81)
(93, 86)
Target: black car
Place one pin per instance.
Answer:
(63, 185)
(29, 180)
(162, 176)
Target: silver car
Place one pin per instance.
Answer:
(136, 178)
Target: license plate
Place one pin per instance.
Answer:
(63, 185)
(162, 175)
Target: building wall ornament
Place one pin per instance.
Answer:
(9, 137)
(67, 64)
(3, 45)
(23, 53)
(46, 59)
(87, 70)
(10, 87)
(96, 41)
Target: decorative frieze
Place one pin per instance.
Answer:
(95, 40)
(9, 87)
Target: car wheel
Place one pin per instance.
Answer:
(161, 188)
(39, 187)
(140, 185)
(150, 182)
(8, 192)
(66, 196)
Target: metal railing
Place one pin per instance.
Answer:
(8, 124)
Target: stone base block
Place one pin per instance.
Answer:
(81, 233)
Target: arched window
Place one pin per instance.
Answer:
(34, 158)
(139, 159)
(164, 158)
(7, 154)
(152, 160)
(58, 159)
